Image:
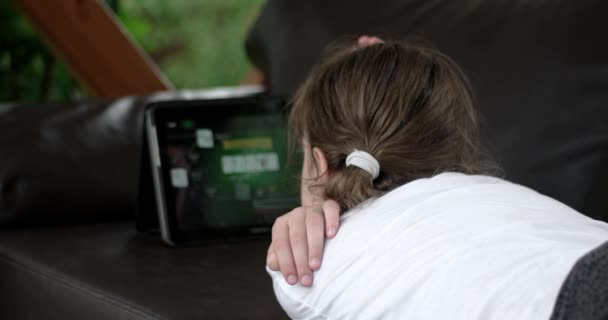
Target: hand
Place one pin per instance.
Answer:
(298, 238)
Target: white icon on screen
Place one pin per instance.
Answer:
(204, 138)
(251, 163)
(179, 178)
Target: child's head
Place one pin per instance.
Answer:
(408, 106)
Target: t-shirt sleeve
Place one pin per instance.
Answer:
(293, 299)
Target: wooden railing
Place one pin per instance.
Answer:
(99, 52)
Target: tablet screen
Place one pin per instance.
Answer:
(225, 168)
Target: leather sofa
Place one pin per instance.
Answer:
(68, 244)
(69, 172)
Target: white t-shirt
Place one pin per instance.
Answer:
(453, 246)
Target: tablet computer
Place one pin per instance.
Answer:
(219, 167)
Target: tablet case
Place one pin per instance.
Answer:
(147, 210)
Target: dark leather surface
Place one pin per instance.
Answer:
(584, 293)
(69, 163)
(107, 271)
(539, 70)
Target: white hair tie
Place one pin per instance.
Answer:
(365, 161)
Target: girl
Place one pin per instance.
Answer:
(390, 138)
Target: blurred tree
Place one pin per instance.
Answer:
(196, 43)
(28, 71)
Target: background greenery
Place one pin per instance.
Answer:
(28, 70)
(197, 43)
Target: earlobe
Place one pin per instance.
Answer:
(321, 163)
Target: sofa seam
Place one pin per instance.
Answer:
(81, 289)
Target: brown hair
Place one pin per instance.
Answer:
(406, 104)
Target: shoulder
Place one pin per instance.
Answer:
(294, 299)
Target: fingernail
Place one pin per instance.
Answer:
(306, 280)
(315, 263)
(291, 279)
(331, 231)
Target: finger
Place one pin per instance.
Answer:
(282, 250)
(315, 232)
(299, 246)
(331, 212)
(271, 259)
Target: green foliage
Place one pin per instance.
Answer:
(28, 71)
(196, 43)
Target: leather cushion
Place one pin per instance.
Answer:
(108, 271)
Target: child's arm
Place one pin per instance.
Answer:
(298, 238)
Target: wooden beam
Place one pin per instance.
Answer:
(85, 35)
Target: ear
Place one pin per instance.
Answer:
(321, 162)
